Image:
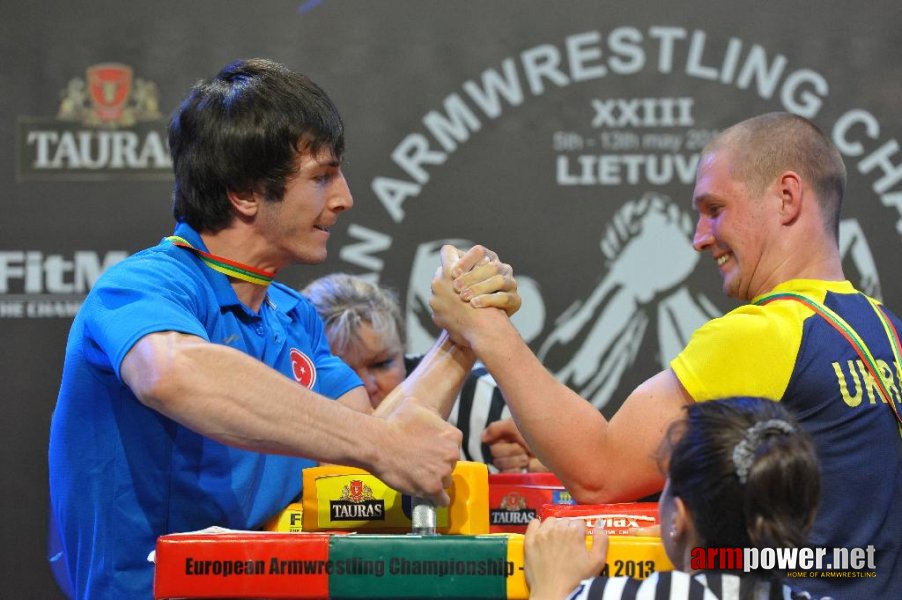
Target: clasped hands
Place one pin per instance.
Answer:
(473, 279)
(464, 283)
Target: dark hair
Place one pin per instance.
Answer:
(242, 131)
(776, 503)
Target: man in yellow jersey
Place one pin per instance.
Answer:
(768, 194)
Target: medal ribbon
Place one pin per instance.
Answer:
(853, 338)
(224, 265)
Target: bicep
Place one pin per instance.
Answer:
(635, 433)
(147, 363)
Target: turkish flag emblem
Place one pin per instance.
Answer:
(302, 368)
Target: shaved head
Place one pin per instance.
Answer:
(763, 147)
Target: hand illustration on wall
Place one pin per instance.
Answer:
(648, 254)
(648, 263)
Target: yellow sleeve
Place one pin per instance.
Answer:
(750, 351)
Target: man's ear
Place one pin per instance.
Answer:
(789, 189)
(244, 202)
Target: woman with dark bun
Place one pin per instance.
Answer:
(740, 474)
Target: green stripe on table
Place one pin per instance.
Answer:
(406, 566)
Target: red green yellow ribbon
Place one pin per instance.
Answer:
(226, 266)
(853, 338)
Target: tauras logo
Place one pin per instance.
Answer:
(512, 517)
(357, 503)
(108, 126)
(370, 510)
(512, 510)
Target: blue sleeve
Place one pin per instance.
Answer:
(139, 297)
(334, 377)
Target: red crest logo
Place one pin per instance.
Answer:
(356, 491)
(302, 368)
(110, 85)
(513, 501)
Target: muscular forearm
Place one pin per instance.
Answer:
(569, 435)
(437, 379)
(230, 397)
(559, 426)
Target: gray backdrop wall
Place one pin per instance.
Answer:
(561, 134)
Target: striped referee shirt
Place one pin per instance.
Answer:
(678, 585)
(479, 403)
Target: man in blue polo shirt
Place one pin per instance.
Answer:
(195, 389)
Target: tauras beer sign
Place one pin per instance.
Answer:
(108, 126)
(357, 503)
